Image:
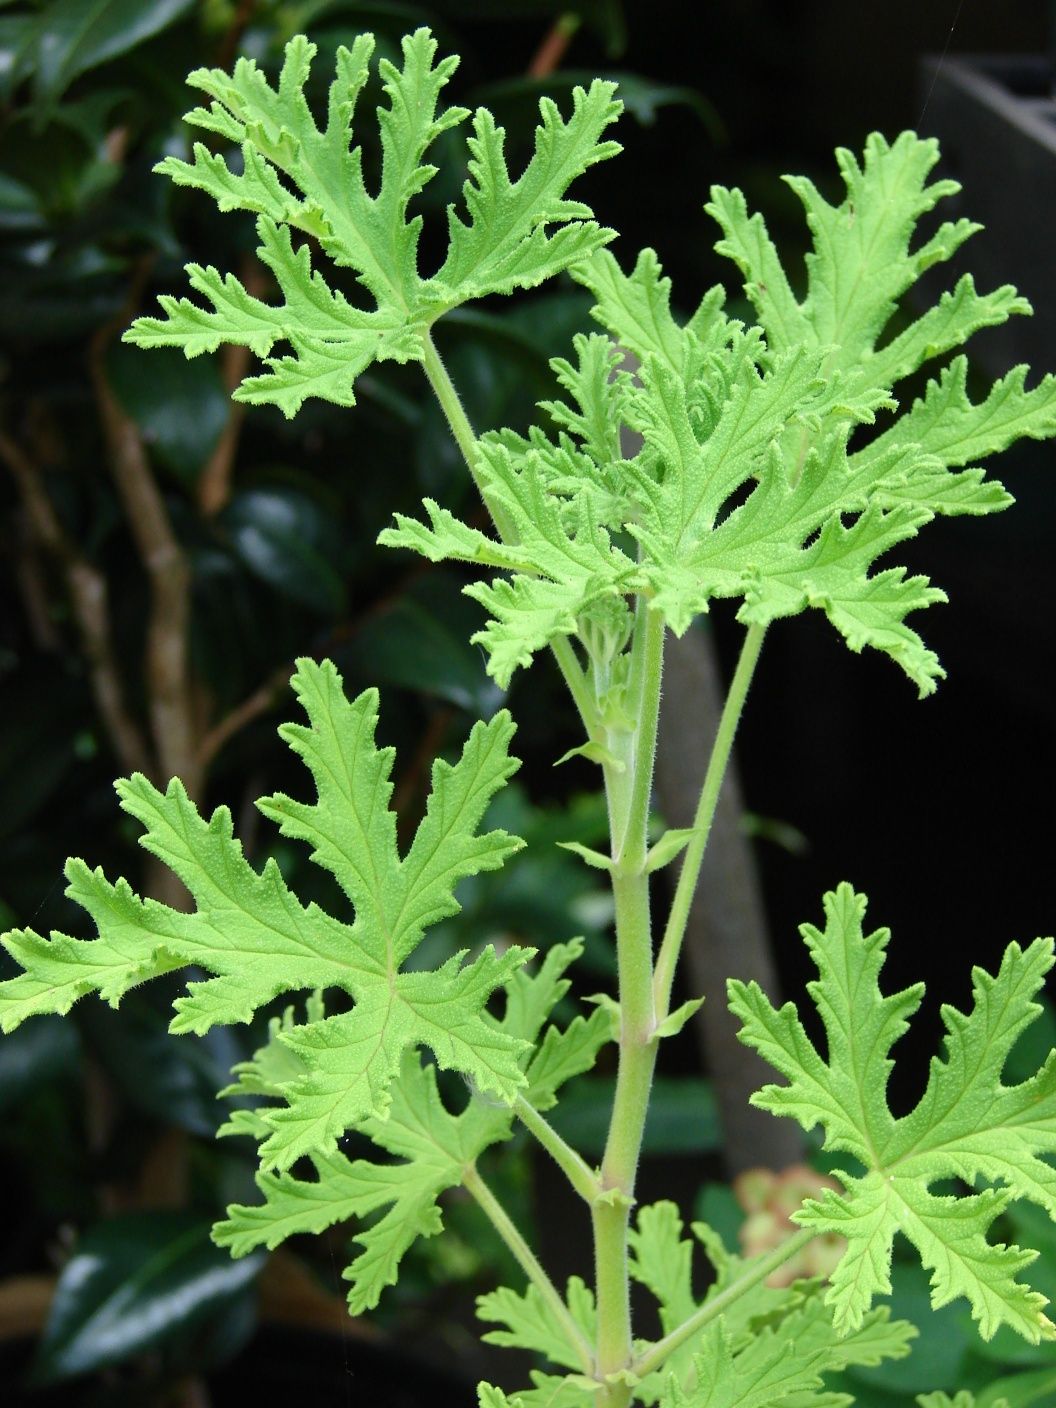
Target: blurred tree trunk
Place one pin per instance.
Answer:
(726, 936)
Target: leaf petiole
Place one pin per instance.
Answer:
(572, 1164)
(529, 1263)
(655, 1355)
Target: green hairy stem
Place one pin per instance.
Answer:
(628, 792)
(629, 820)
(779, 462)
(528, 1262)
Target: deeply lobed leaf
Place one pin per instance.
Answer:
(755, 479)
(258, 941)
(967, 1125)
(750, 1339)
(531, 1324)
(301, 177)
(432, 1146)
(762, 1373)
(739, 1360)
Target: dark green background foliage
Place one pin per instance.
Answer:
(244, 540)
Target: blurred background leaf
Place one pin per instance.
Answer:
(682, 1117)
(149, 1281)
(73, 36)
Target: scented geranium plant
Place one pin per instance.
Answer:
(779, 462)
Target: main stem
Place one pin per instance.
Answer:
(628, 795)
(644, 994)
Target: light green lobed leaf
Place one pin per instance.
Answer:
(662, 1260)
(597, 388)
(488, 1396)
(861, 264)
(549, 1391)
(784, 1367)
(432, 1146)
(789, 545)
(258, 940)
(755, 480)
(301, 177)
(531, 1324)
(968, 1125)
